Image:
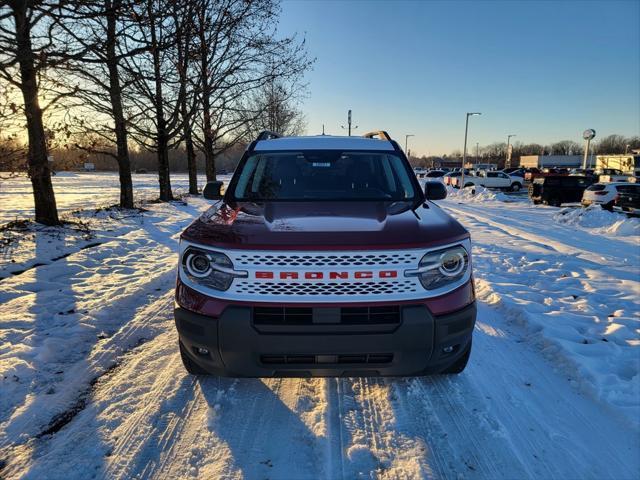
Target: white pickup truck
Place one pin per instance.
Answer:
(491, 179)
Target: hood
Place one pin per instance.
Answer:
(324, 225)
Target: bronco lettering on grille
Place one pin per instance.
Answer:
(365, 274)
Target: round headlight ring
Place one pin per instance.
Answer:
(198, 264)
(451, 263)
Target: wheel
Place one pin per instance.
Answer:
(537, 202)
(460, 364)
(554, 202)
(189, 365)
(608, 206)
(468, 185)
(516, 187)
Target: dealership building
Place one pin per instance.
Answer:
(541, 161)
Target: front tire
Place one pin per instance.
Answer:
(516, 187)
(189, 365)
(460, 364)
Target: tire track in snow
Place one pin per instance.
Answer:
(104, 357)
(377, 445)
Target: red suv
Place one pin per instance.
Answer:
(325, 257)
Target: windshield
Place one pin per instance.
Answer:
(323, 175)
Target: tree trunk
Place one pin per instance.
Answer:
(161, 123)
(191, 161)
(39, 171)
(115, 95)
(163, 164)
(210, 163)
(183, 61)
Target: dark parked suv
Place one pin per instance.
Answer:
(628, 199)
(325, 257)
(558, 189)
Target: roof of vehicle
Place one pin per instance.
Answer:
(324, 142)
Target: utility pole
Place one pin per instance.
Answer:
(464, 153)
(349, 123)
(477, 155)
(507, 159)
(406, 139)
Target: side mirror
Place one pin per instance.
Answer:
(435, 191)
(212, 191)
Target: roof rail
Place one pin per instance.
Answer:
(380, 133)
(268, 135)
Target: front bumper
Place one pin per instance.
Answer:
(237, 347)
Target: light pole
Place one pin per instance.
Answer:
(588, 135)
(464, 152)
(406, 139)
(477, 155)
(349, 123)
(507, 159)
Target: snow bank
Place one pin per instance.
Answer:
(599, 221)
(72, 305)
(573, 289)
(477, 194)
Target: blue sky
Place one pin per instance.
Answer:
(543, 70)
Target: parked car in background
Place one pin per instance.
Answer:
(558, 189)
(628, 199)
(518, 172)
(510, 170)
(611, 175)
(604, 194)
(449, 176)
(420, 172)
(492, 179)
(435, 174)
(534, 173)
(582, 171)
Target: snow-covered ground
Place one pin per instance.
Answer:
(91, 383)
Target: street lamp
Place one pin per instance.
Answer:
(507, 159)
(464, 153)
(477, 154)
(406, 138)
(349, 123)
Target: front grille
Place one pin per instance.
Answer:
(282, 316)
(370, 315)
(319, 359)
(338, 260)
(390, 314)
(325, 288)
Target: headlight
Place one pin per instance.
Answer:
(210, 269)
(441, 267)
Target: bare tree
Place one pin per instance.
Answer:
(566, 147)
(25, 47)
(96, 29)
(156, 94)
(239, 53)
(274, 107)
(185, 49)
(613, 144)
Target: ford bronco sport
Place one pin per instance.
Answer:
(324, 257)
